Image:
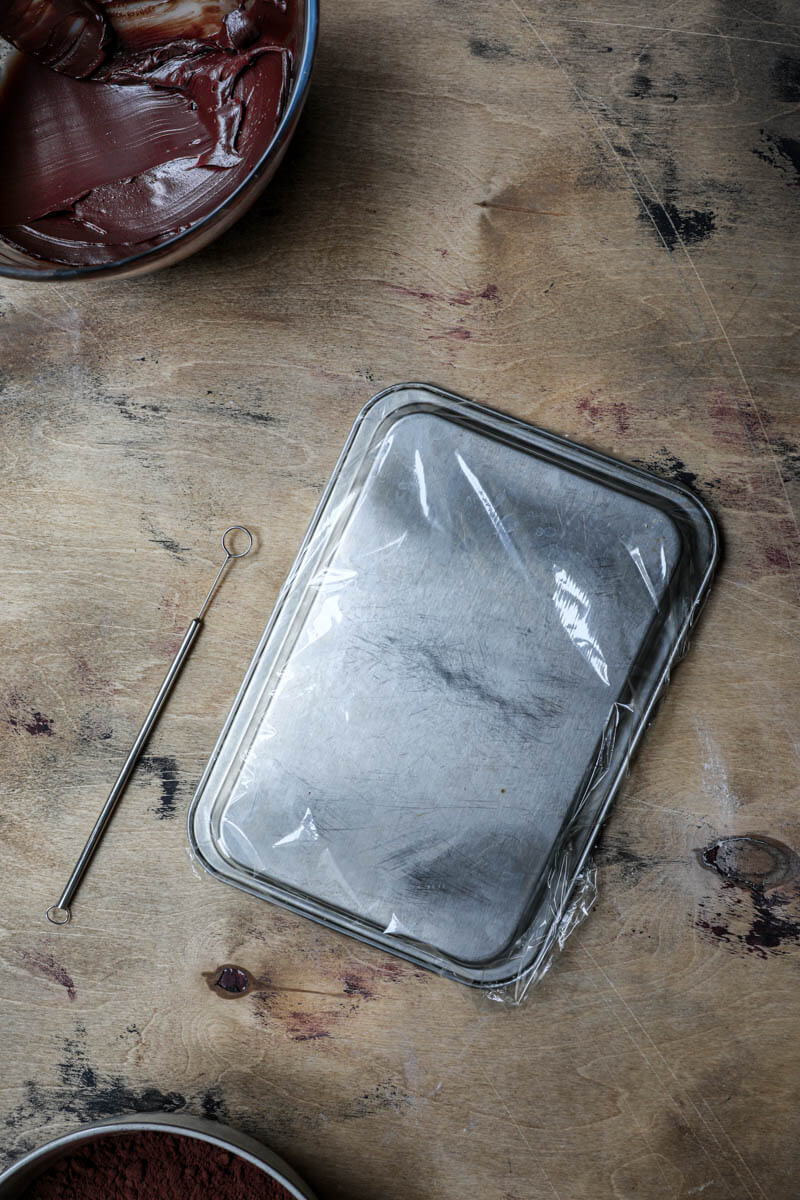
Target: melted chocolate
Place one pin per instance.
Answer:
(72, 36)
(98, 169)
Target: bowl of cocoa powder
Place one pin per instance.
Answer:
(160, 1156)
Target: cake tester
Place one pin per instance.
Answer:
(59, 913)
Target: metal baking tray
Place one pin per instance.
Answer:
(450, 687)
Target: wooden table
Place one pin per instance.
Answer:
(585, 215)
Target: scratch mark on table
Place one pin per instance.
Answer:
(704, 1123)
(679, 241)
(683, 32)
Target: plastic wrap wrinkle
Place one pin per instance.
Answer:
(306, 832)
(446, 696)
(492, 514)
(639, 563)
(574, 609)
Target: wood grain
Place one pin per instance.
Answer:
(585, 215)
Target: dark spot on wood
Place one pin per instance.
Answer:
(167, 543)
(769, 871)
(463, 298)
(394, 971)
(517, 208)
(459, 335)
(230, 981)
(783, 153)
(718, 931)
(641, 86)
(778, 558)
(669, 466)
(600, 411)
(38, 723)
(261, 418)
(131, 411)
(32, 722)
(735, 420)
(307, 1027)
(631, 866)
(673, 225)
(667, 463)
(166, 768)
(417, 293)
(94, 728)
(122, 404)
(788, 454)
(354, 985)
(380, 1098)
(214, 1105)
(751, 861)
(46, 965)
(489, 48)
(786, 78)
(84, 1093)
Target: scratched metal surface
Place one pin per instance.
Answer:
(593, 212)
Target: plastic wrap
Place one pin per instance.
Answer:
(448, 692)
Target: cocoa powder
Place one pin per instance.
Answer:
(152, 1166)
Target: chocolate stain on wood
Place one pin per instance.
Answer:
(307, 1027)
(769, 872)
(464, 298)
(354, 985)
(45, 964)
(36, 723)
(309, 1013)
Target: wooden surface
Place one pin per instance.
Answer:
(585, 214)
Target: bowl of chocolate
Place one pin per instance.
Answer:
(153, 1156)
(133, 132)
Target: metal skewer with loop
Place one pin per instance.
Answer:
(59, 913)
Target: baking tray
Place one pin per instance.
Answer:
(450, 687)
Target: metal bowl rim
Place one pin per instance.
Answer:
(223, 1136)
